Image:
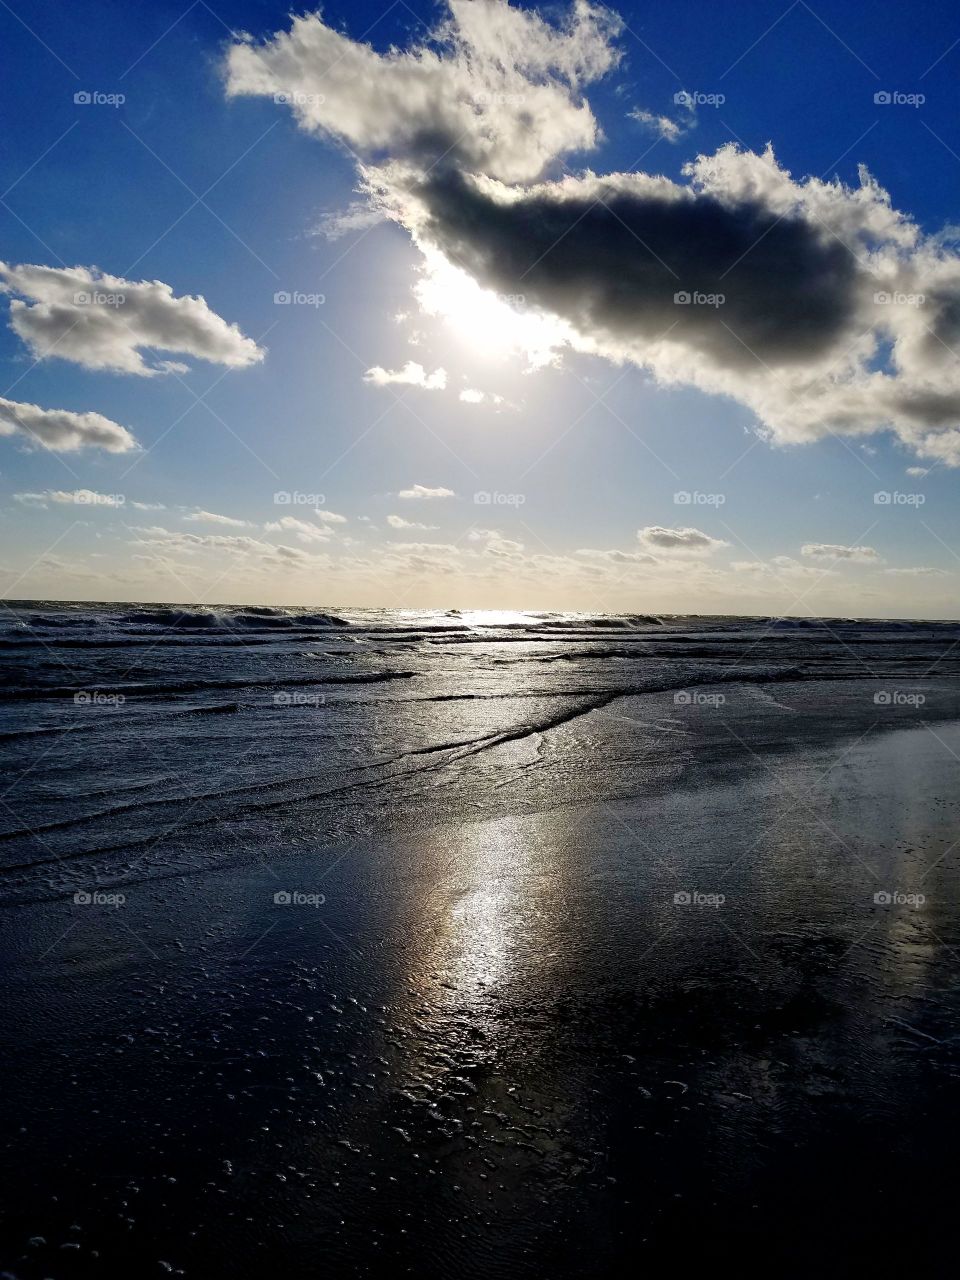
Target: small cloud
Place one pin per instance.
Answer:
(420, 491)
(831, 551)
(919, 571)
(685, 541)
(358, 216)
(411, 375)
(398, 522)
(75, 497)
(211, 517)
(62, 430)
(918, 472)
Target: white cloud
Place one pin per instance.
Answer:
(102, 321)
(328, 517)
(62, 430)
(419, 491)
(304, 531)
(359, 215)
(823, 309)
(495, 88)
(831, 551)
(682, 541)
(75, 497)
(211, 517)
(398, 522)
(411, 375)
(919, 571)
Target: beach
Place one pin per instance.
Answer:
(449, 944)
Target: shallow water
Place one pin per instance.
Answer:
(587, 967)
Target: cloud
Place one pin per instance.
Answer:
(663, 126)
(252, 551)
(683, 541)
(494, 88)
(613, 556)
(411, 375)
(101, 321)
(328, 517)
(359, 215)
(918, 472)
(419, 491)
(63, 431)
(305, 532)
(470, 395)
(919, 571)
(211, 517)
(830, 551)
(398, 522)
(815, 304)
(76, 497)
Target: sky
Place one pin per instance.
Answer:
(641, 308)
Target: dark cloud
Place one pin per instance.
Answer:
(612, 260)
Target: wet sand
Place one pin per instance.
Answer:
(571, 1037)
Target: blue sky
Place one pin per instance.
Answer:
(231, 197)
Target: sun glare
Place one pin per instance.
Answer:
(493, 325)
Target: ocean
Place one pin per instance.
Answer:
(451, 943)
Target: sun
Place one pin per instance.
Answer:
(493, 325)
